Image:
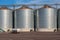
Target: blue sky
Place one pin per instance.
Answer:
(9, 2)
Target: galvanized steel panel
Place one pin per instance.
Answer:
(5, 19)
(24, 18)
(47, 18)
(58, 18)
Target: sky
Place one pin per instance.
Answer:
(9, 2)
(37, 1)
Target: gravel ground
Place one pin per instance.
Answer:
(30, 36)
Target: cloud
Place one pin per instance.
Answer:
(29, 1)
(42, 2)
(37, 1)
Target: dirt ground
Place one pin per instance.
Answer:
(30, 36)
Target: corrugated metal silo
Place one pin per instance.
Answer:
(24, 19)
(58, 19)
(5, 18)
(46, 19)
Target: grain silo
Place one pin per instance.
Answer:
(5, 18)
(24, 19)
(46, 18)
